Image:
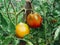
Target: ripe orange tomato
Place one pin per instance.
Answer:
(22, 29)
(34, 20)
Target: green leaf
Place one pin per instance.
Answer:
(28, 42)
(11, 28)
(57, 33)
(7, 41)
(3, 22)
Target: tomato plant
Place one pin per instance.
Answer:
(42, 28)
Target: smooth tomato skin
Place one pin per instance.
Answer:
(22, 29)
(34, 20)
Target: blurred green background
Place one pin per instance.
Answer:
(47, 34)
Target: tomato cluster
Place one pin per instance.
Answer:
(34, 20)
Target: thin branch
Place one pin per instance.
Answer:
(18, 14)
(20, 11)
(5, 3)
(7, 10)
(12, 6)
(13, 10)
(8, 13)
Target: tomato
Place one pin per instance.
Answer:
(34, 20)
(22, 29)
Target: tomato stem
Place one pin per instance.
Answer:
(6, 7)
(45, 26)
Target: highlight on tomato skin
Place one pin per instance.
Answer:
(34, 20)
(22, 29)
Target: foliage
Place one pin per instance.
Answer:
(47, 34)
